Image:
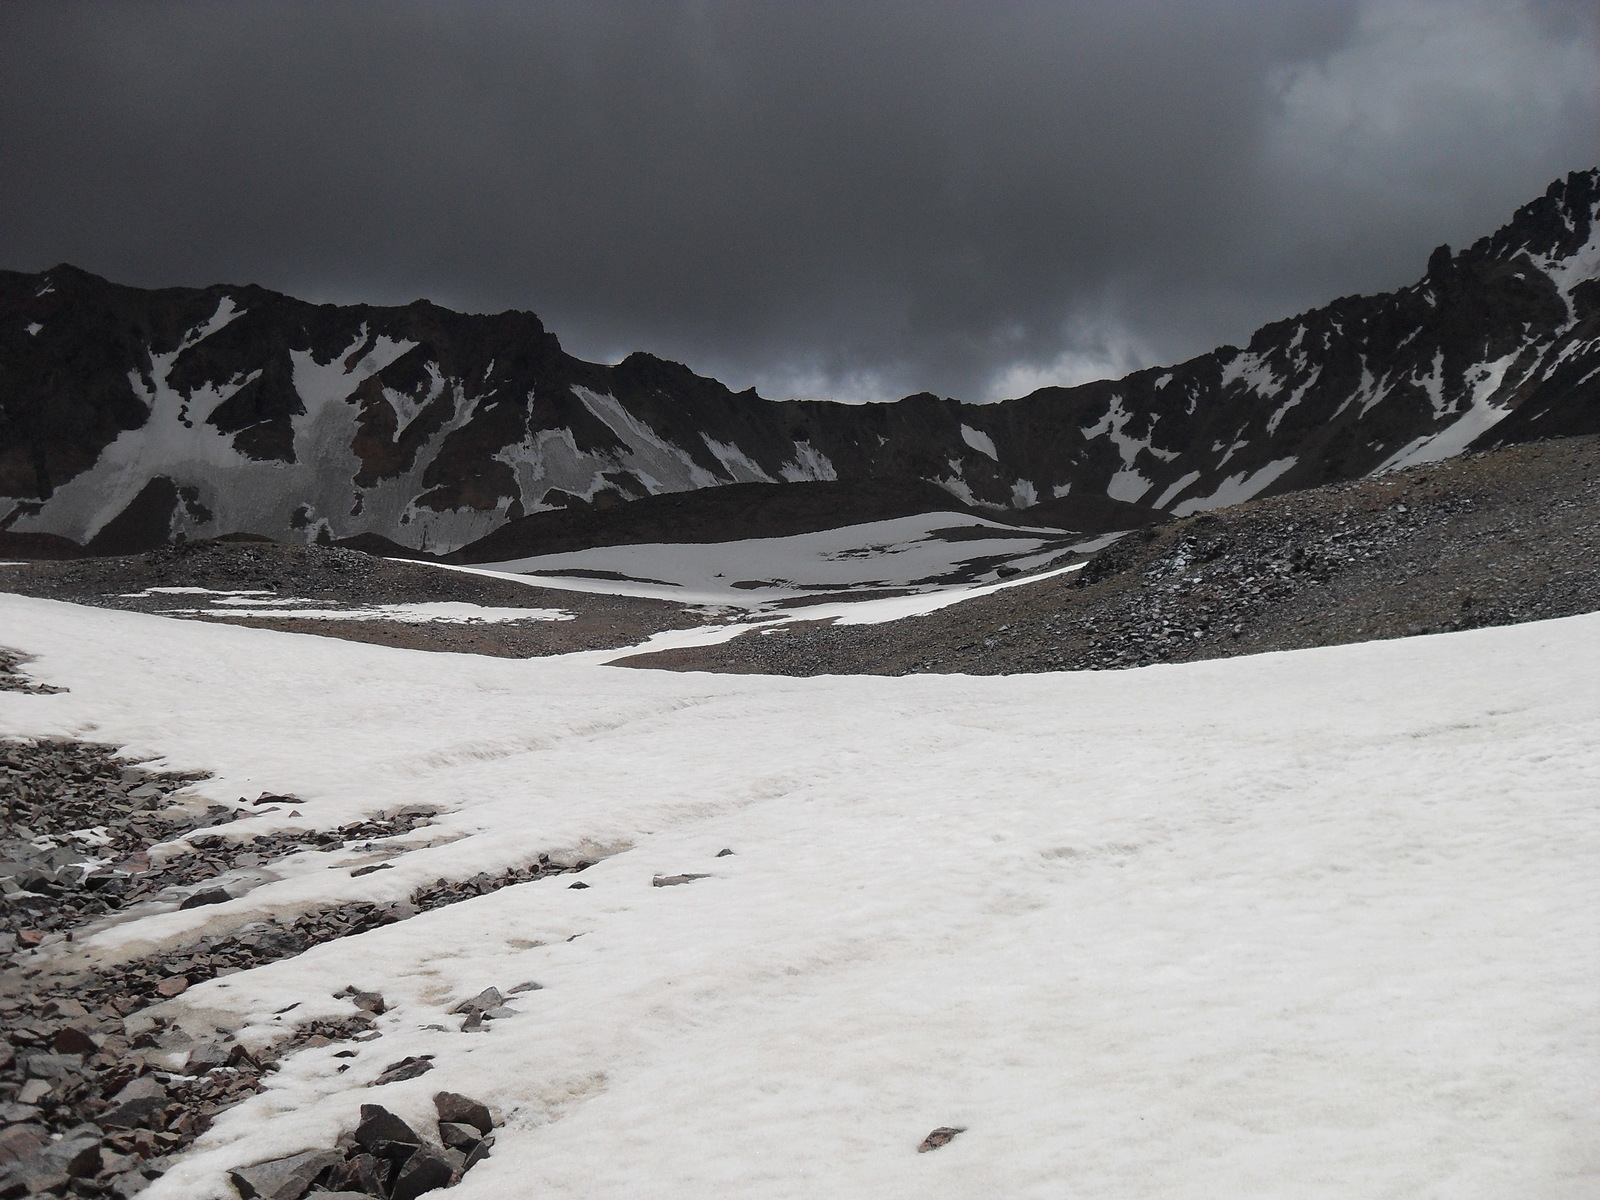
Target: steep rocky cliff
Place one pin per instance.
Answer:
(128, 416)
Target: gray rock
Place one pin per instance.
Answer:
(479, 1153)
(131, 1114)
(379, 1125)
(21, 1142)
(214, 895)
(454, 1108)
(424, 1171)
(205, 1057)
(942, 1136)
(146, 1087)
(283, 1178)
(361, 1175)
(458, 1135)
(53, 1066)
(77, 1153)
(407, 1068)
(482, 1002)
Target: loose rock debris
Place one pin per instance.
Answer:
(97, 1095)
(14, 679)
(384, 1157)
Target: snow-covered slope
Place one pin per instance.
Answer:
(127, 416)
(1318, 924)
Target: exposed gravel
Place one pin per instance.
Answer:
(96, 1093)
(1488, 539)
(14, 676)
(337, 576)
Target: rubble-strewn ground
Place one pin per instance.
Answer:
(96, 1094)
(1489, 539)
(349, 577)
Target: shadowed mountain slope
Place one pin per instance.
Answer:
(128, 416)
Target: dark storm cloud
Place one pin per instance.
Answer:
(860, 199)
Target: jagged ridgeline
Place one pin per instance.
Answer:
(129, 416)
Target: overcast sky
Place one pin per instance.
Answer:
(857, 200)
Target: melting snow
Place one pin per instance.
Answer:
(1318, 924)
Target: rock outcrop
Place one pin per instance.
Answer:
(129, 416)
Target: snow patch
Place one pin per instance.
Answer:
(1481, 415)
(1236, 489)
(808, 463)
(740, 466)
(979, 441)
(1128, 484)
(1178, 485)
(659, 464)
(1294, 398)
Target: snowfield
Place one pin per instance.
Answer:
(922, 553)
(1314, 925)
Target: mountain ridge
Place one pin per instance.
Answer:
(128, 416)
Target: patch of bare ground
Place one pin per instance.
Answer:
(1484, 539)
(99, 1085)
